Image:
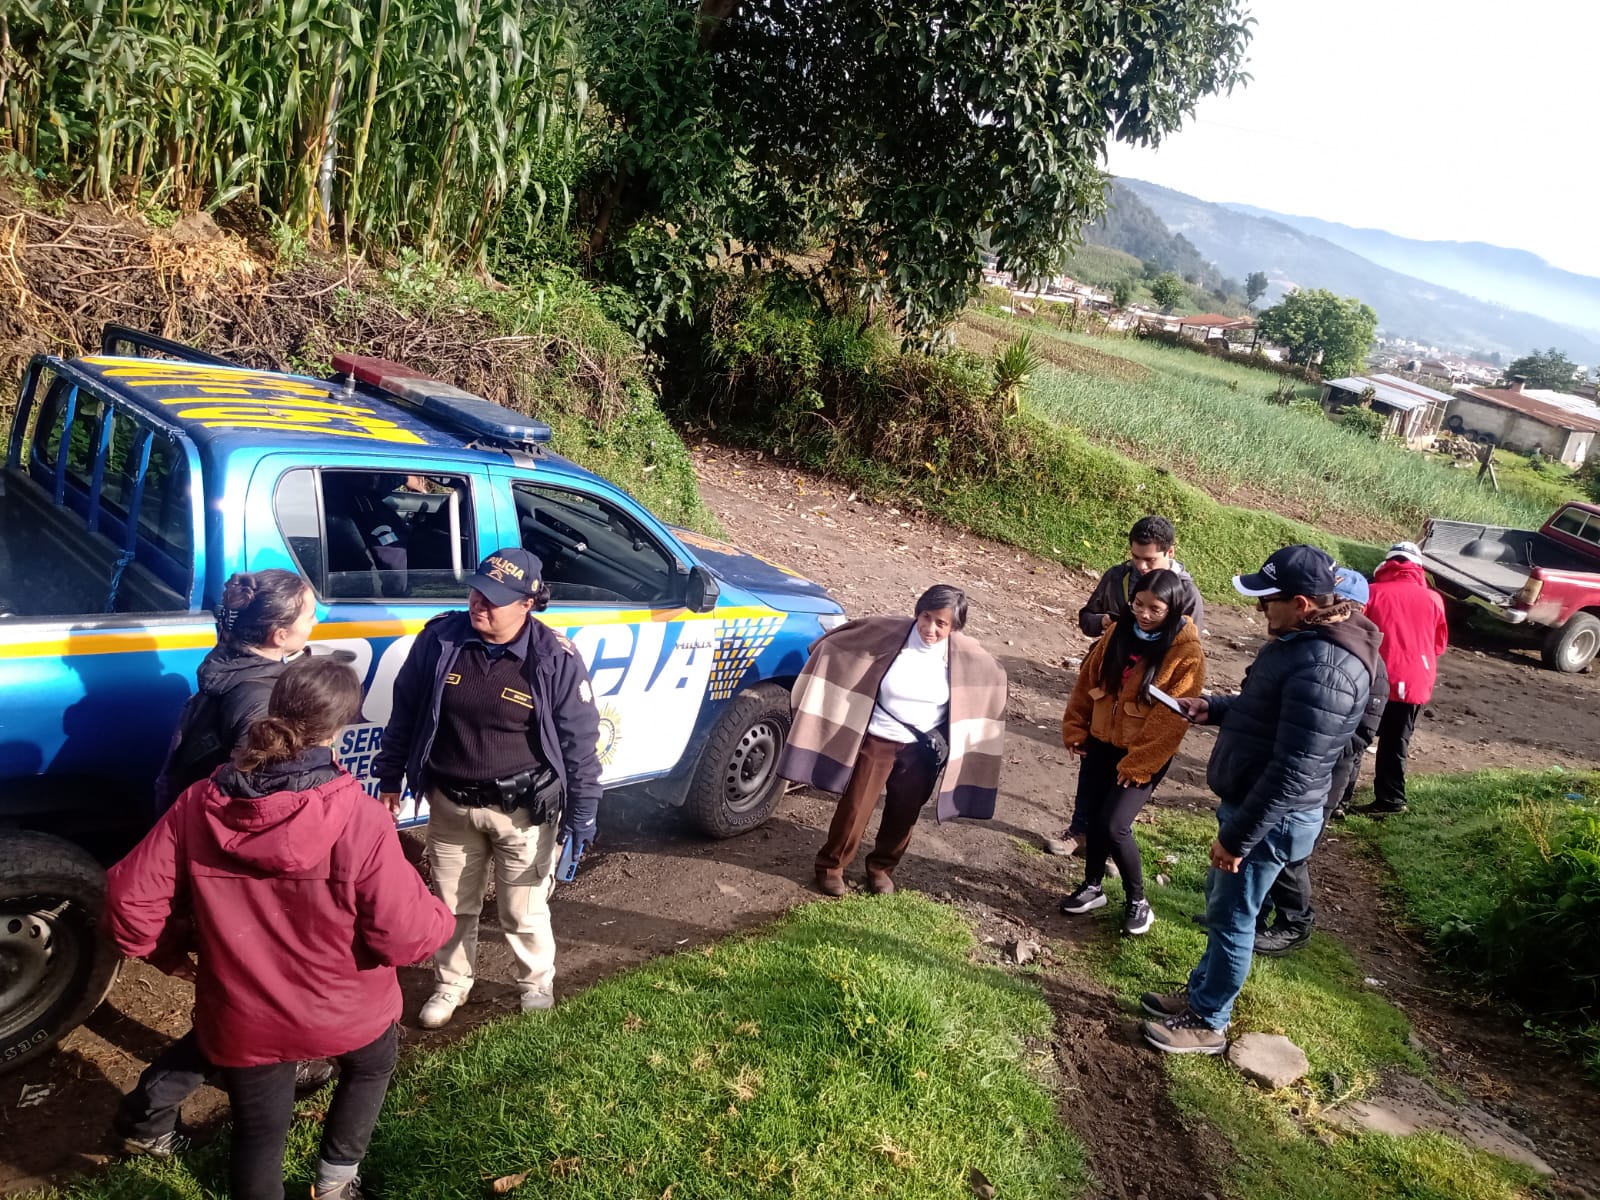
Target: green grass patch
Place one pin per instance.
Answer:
(853, 1049)
(1075, 501)
(1317, 998)
(1500, 870)
(1213, 423)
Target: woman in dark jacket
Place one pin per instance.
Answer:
(302, 906)
(264, 620)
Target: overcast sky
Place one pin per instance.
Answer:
(1455, 120)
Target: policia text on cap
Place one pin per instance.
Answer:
(494, 722)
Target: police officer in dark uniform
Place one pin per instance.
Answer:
(494, 722)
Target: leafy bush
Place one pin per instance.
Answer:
(1501, 870)
(1588, 478)
(772, 365)
(1364, 421)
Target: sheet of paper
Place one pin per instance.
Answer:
(1161, 697)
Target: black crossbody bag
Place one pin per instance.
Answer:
(934, 743)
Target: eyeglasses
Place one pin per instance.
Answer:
(1262, 602)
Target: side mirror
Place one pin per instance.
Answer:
(702, 590)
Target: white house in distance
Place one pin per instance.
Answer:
(1561, 425)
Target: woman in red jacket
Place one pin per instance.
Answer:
(1415, 637)
(301, 904)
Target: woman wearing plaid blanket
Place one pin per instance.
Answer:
(901, 708)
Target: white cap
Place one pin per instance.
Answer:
(1409, 551)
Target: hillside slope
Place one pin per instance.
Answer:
(1240, 243)
(1495, 273)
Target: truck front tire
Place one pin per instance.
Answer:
(54, 969)
(1570, 648)
(735, 786)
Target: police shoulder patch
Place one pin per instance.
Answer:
(586, 692)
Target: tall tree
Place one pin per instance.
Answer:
(1168, 291)
(1315, 326)
(1551, 370)
(1255, 287)
(894, 134)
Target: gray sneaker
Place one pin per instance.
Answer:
(165, 1146)
(1137, 918)
(1185, 1033)
(1087, 898)
(349, 1190)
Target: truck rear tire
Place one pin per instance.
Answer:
(54, 969)
(1570, 648)
(735, 785)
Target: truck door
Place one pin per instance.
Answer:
(387, 545)
(617, 592)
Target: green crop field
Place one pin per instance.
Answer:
(1211, 423)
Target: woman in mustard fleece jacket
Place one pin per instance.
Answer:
(1123, 739)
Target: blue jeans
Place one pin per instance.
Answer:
(1233, 902)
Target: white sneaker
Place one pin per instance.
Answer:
(535, 999)
(438, 1010)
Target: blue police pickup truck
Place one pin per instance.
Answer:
(137, 480)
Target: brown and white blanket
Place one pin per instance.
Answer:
(833, 699)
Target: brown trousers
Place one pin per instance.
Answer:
(902, 774)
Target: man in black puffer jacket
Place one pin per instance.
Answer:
(1272, 769)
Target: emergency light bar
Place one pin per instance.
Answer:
(442, 402)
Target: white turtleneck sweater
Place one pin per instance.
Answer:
(916, 689)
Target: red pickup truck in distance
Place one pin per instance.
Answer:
(1545, 579)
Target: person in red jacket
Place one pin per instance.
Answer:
(1411, 616)
(290, 882)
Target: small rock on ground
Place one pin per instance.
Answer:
(1268, 1059)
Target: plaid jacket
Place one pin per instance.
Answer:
(834, 696)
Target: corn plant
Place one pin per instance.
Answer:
(400, 122)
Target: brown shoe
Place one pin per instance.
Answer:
(831, 883)
(1162, 1005)
(879, 883)
(1184, 1034)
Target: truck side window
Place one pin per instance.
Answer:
(50, 420)
(166, 517)
(593, 552)
(1573, 521)
(379, 535)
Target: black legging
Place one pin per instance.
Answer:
(262, 1100)
(1108, 810)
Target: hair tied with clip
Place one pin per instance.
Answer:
(227, 618)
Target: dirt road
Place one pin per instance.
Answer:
(656, 887)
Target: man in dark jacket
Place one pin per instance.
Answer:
(1151, 543)
(494, 724)
(1290, 896)
(1272, 768)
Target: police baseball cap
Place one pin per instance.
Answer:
(508, 575)
(1292, 571)
(1351, 585)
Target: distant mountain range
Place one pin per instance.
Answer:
(1240, 242)
(1514, 278)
